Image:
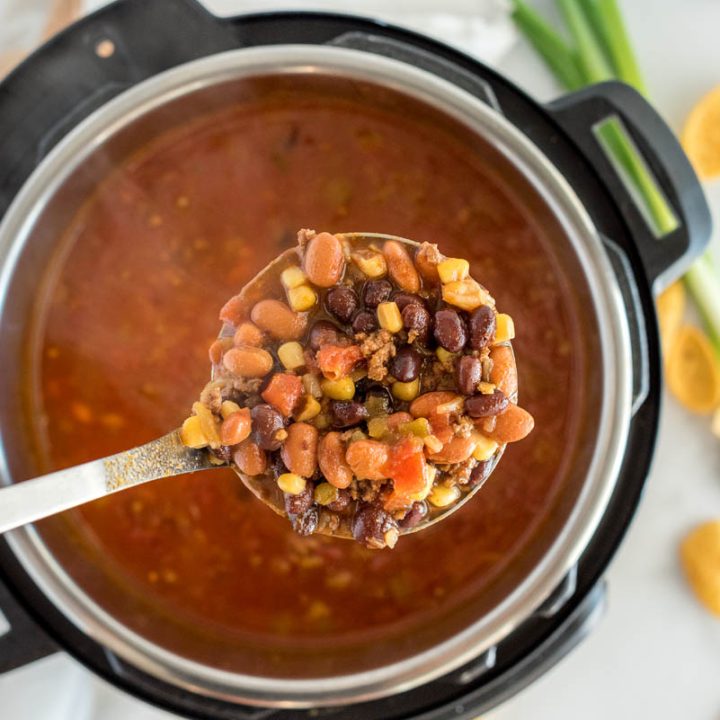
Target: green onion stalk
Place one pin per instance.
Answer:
(600, 50)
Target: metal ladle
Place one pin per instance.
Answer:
(166, 456)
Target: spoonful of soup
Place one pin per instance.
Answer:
(362, 385)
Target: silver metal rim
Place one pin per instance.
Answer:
(616, 356)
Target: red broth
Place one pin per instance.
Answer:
(150, 258)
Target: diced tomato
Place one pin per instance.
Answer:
(406, 467)
(283, 392)
(337, 362)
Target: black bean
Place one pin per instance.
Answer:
(468, 373)
(374, 528)
(342, 503)
(450, 330)
(482, 327)
(300, 503)
(365, 322)
(323, 332)
(346, 413)
(402, 300)
(277, 465)
(480, 406)
(307, 523)
(375, 292)
(416, 317)
(405, 366)
(266, 421)
(342, 302)
(480, 473)
(414, 515)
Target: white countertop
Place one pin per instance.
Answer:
(657, 652)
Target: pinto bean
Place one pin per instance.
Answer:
(504, 371)
(512, 425)
(324, 261)
(248, 362)
(331, 459)
(425, 404)
(250, 458)
(457, 450)
(427, 258)
(236, 427)
(401, 267)
(299, 451)
(278, 320)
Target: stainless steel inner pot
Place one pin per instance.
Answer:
(38, 209)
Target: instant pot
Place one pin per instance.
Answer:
(134, 58)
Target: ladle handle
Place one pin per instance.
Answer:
(49, 494)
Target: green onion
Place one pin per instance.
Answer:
(558, 55)
(593, 62)
(609, 22)
(604, 52)
(702, 282)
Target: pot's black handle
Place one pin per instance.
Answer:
(24, 642)
(664, 258)
(89, 63)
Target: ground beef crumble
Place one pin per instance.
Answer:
(379, 348)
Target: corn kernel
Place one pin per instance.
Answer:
(309, 409)
(485, 447)
(433, 444)
(453, 269)
(504, 328)
(325, 493)
(420, 427)
(208, 423)
(312, 385)
(191, 433)
(406, 391)
(291, 483)
(293, 277)
(389, 317)
(486, 388)
(342, 389)
(441, 496)
(301, 298)
(445, 357)
(291, 355)
(465, 294)
(377, 426)
(371, 263)
(228, 408)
